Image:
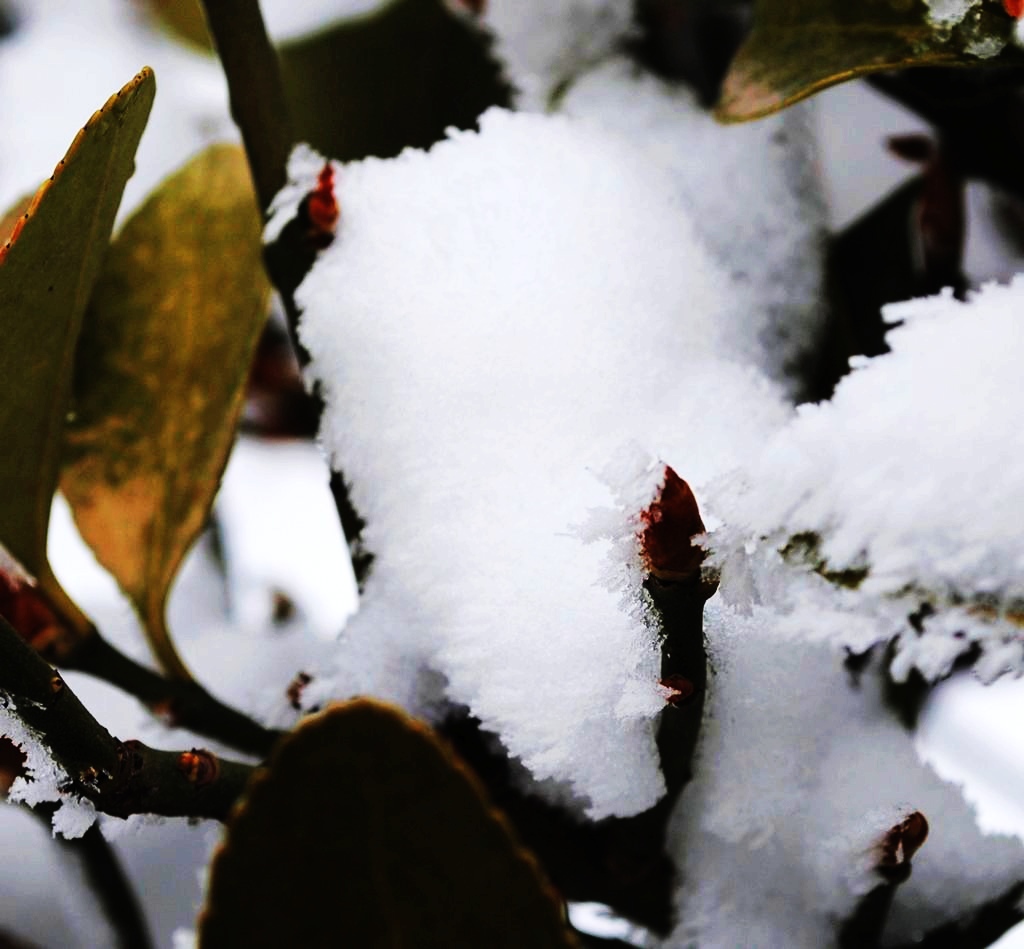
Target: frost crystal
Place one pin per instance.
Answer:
(903, 492)
(800, 772)
(471, 407)
(43, 777)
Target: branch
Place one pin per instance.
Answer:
(259, 107)
(119, 778)
(258, 103)
(895, 851)
(73, 642)
(178, 702)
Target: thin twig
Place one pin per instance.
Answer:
(179, 703)
(120, 778)
(56, 629)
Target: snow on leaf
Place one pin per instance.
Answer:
(766, 229)
(807, 794)
(496, 319)
(898, 501)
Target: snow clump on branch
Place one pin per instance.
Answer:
(894, 509)
(496, 320)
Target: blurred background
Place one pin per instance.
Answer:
(271, 581)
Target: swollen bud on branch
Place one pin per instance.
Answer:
(898, 846)
(320, 207)
(670, 524)
(28, 609)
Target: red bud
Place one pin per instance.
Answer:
(670, 523)
(322, 208)
(899, 845)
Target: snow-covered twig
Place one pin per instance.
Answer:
(120, 778)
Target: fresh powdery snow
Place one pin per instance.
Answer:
(800, 772)
(512, 330)
(544, 45)
(754, 194)
(42, 777)
(906, 491)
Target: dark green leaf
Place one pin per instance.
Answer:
(47, 271)
(366, 832)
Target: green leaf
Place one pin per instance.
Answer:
(47, 271)
(799, 47)
(160, 378)
(365, 831)
(14, 214)
(398, 77)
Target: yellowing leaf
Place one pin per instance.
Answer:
(160, 376)
(12, 216)
(799, 47)
(366, 832)
(47, 271)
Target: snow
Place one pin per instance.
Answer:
(42, 777)
(755, 196)
(287, 20)
(71, 78)
(473, 415)
(545, 45)
(947, 13)
(44, 898)
(800, 771)
(73, 817)
(912, 473)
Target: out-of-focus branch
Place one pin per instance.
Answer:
(73, 642)
(119, 777)
(178, 702)
(260, 109)
(258, 103)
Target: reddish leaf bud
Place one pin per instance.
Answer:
(677, 688)
(1014, 7)
(899, 845)
(294, 691)
(669, 524)
(322, 208)
(29, 611)
(199, 766)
